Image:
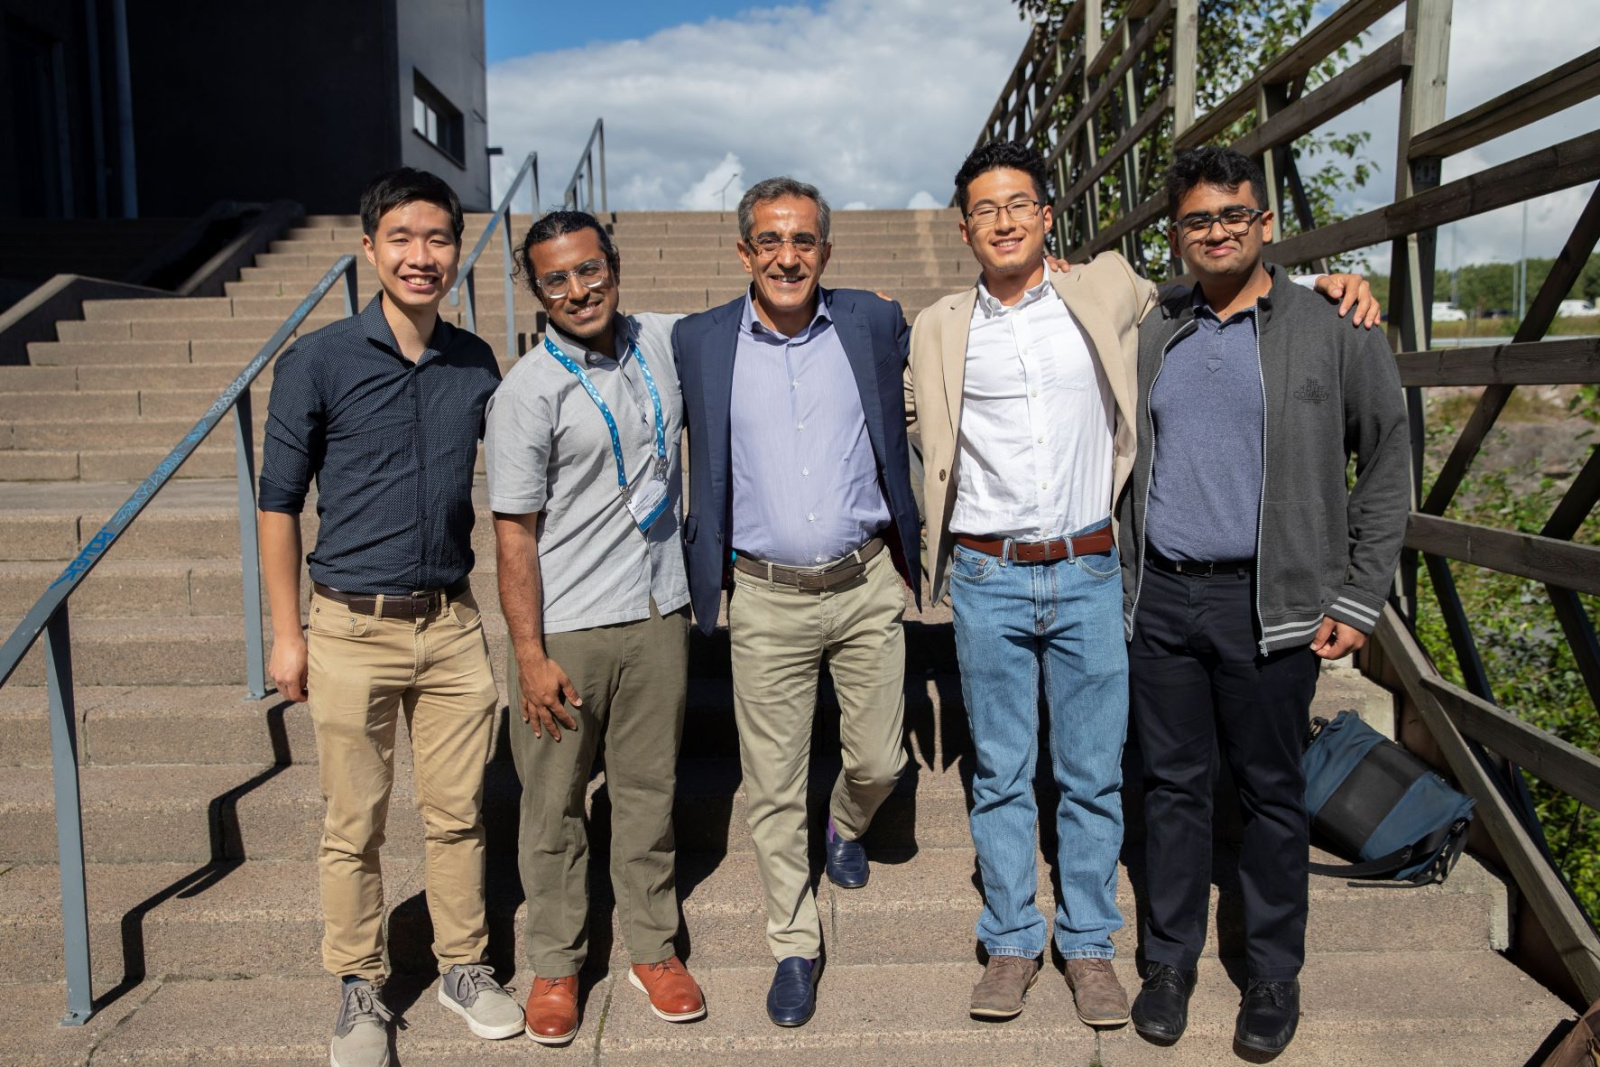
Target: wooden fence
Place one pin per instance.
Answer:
(1133, 79)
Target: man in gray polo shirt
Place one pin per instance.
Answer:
(582, 446)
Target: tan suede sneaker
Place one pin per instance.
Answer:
(1006, 980)
(1098, 994)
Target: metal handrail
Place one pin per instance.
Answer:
(468, 276)
(49, 617)
(583, 174)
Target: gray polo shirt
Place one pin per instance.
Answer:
(548, 450)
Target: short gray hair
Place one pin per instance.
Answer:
(775, 189)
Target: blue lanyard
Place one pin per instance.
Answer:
(605, 412)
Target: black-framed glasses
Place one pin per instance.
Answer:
(591, 274)
(1236, 222)
(766, 245)
(1018, 210)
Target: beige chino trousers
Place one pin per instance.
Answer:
(364, 671)
(780, 637)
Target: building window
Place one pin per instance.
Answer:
(436, 120)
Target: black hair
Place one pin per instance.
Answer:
(393, 188)
(558, 224)
(1213, 166)
(1003, 155)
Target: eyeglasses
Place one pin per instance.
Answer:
(766, 245)
(1018, 210)
(591, 274)
(1236, 222)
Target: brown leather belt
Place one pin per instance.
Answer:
(402, 606)
(1090, 544)
(812, 579)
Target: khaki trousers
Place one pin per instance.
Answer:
(363, 671)
(780, 636)
(632, 678)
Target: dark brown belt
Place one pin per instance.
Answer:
(812, 579)
(402, 606)
(1090, 544)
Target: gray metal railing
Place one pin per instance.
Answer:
(468, 274)
(49, 617)
(580, 190)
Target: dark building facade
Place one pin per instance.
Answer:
(161, 108)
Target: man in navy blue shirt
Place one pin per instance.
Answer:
(384, 410)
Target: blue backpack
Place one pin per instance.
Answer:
(1373, 802)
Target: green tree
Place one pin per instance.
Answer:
(1236, 39)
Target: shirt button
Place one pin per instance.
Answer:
(795, 384)
(819, 559)
(811, 518)
(1044, 485)
(805, 472)
(799, 425)
(1041, 439)
(1033, 392)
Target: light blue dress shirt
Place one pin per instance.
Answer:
(805, 480)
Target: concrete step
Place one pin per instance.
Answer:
(109, 433)
(265, 918)
(234, 352)
(1386, 1008)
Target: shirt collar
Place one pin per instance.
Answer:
(750, 324)
(377, 329)
(626, 333)
(992, 306)
(1202, 309)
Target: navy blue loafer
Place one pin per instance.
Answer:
(793, 996)
(847, 861)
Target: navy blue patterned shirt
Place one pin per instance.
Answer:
(392, 445)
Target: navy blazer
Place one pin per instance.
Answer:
(875, 338)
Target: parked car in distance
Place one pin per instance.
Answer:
(1496, 313)
(1448, 313)
(1576, 309)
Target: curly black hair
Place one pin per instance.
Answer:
(1213, 166)
(1003, 155)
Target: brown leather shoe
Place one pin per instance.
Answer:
(1006, 980)
(553, 1010)
(674, 995)
(1100, 997)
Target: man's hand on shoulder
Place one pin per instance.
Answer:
(1057, 264)
(1351, 291)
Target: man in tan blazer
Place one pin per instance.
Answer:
(1023, 390)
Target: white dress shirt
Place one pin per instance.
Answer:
(1037, 423)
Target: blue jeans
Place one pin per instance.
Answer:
(1014, 622)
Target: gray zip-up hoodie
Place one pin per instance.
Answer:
(1330, 391)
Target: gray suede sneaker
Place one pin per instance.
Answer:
(361, 1035)
(469, 990)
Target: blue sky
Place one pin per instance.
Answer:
(518, 27)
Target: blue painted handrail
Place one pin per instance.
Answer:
(468, 277)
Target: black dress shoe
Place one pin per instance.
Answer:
(847, 861)
(1268, 1016)
(1161, 1010)
(793, 996)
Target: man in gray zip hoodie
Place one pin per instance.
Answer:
(1246, 562)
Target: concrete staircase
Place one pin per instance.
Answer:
(201, 810)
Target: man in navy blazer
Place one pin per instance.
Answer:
(800, 502)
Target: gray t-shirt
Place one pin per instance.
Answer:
(548, 450)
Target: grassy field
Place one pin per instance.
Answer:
(1573, 327)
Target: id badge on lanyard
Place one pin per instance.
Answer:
(646, 497)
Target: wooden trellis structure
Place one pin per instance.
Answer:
(1076, 86)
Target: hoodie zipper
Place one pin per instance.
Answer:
(1150, 430)
(1261, 501)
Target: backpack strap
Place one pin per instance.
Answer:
(1388, 866)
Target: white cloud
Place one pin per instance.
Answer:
(922, 199)
(718, 190)
(872, 100)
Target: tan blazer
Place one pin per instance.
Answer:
(1106, 298)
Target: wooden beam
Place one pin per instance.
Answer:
(1048, 105)
(1555, 90)
(1544, 559)
(1118, 37)
(1185, 58)
(1564, 922)
(1569, 361)
(1139, 130)
(1330, 34)
(1564, 766)
(1548, 170)
(1137, 219)
(1372, 75)
(1098, 97)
